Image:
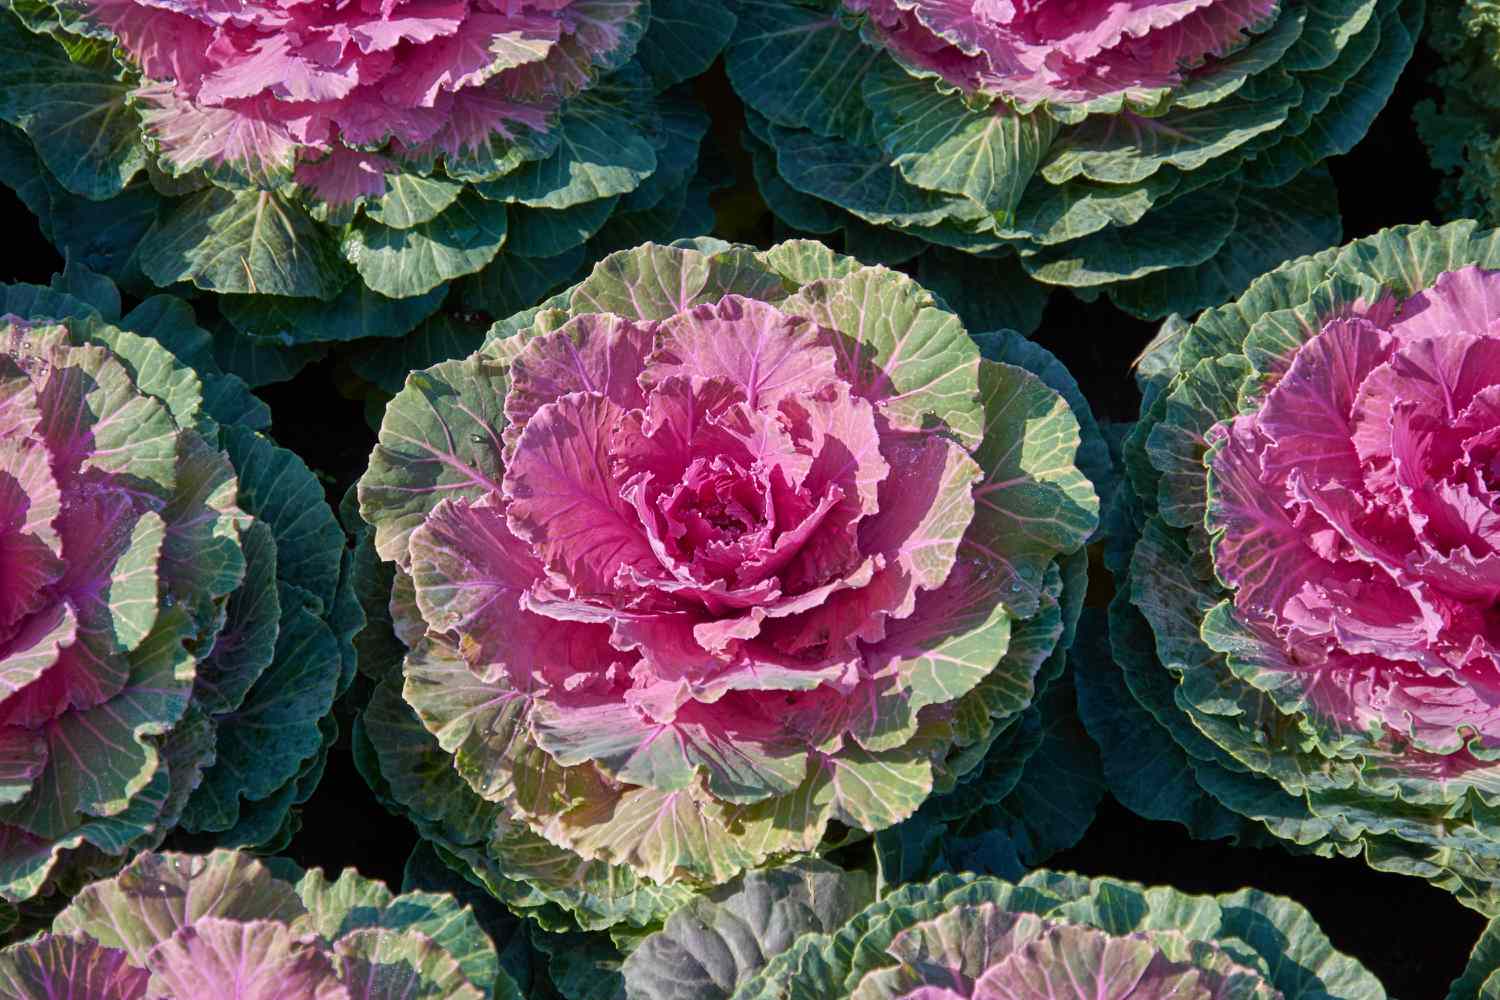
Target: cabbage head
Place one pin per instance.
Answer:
(1308, 554)
(1164, 152)
(331, 168)
(175, 615)
(229, 926)
(1062, 937)
(720, 556)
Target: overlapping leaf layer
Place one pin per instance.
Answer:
(1163, 152)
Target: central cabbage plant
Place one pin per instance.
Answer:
(175, 617)
(1314, 505)
(330, 167)
(712, 556)
(227, 926)
(1163, 151)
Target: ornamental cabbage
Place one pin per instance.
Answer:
(1461, 128)
(718, 553)
(1303, 624)
(228, 926)
(1062, 937)
(331, 167)
(175, 616)
(1164, 152)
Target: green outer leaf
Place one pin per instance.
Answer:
(77, 116)
(442, 337)
(940, 144)
(279, 489)
(1128, 148)
(375, 959)
(862, 180)
(257, 363)
(264, 743)
(1033, 502)
(434, 444)
(511, 284)
(98, 291)
(107, 241)
(685, 123)
(602, 151)
(428, 871)
(402, 263)
(1093, 457)
(802, 212)
(412, 199)
(802, 262)
(796, 64)
(419, 775)
(1054, 215)
(248, 242)
(682, 213)
(723, 937)
(252, 617)
(1144, 767)
(1200, 224)
(683, 39)
(987, 293)
(1058, 792)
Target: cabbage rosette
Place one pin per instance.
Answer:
(1165, 152)
(1461, 127)
(1062, 937)
(175, 616)
(1307, 565)
(331, 168)
(720, 556)
(228, 926)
